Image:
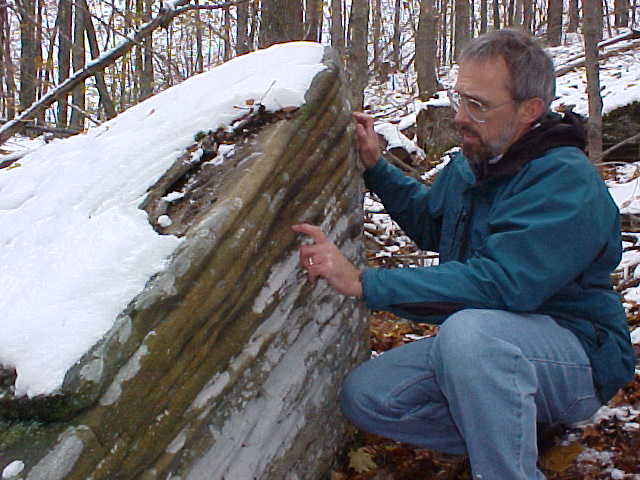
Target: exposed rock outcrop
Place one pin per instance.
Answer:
(228, 364)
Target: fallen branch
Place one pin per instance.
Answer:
(163, 19)
(621, 144)
(579, 61)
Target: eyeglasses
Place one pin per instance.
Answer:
(476, 110)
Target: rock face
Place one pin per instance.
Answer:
(228, 364)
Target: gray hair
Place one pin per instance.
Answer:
(531, 68)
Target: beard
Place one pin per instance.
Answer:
(481, 151)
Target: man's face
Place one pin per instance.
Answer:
(488, 118)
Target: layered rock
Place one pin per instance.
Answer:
(228, 364)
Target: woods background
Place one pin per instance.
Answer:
(127, 50)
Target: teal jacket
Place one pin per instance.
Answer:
(535, 232)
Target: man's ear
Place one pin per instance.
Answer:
(532, 109)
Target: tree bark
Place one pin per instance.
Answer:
(313, 19)
(621, 8)
(105, 98)
(228, 52)
(426, 49)
(397, 57)
(9, 69)
(591, 37)
(28, 52)
(574, 16)
(554, 22)
(377, 33)
(78, 61)
(337, 26)
(483, 16)
(496, 15)
(242, 29)
(463, 30)
(281, 21)
(64, 57)
(357, 57)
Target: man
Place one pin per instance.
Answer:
(528, 235)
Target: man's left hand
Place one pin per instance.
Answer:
(323, 259)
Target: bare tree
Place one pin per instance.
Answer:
(65, 24)
(281, 21)
(496, 15)
(621, 8)
(591, 38)
(313, 20)
(483, 16)
(357, 58)
(377, 33)
(78, 60)
(337, 26)
(28, 55)
(397, 57)
(426, 49)
(8, 68)
(463, 26)
(242, 29)
(574, 16)
(554, 22)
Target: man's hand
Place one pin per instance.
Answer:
(323, 259)
(367, 140)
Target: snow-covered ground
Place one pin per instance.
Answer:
(74, 246)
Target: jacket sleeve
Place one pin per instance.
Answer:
(553, 221)
(410, 203)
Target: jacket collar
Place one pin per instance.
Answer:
(551, 131)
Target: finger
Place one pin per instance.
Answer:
(363, 119)
(313, 231)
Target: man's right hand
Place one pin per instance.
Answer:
(367, 140)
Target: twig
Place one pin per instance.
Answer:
(621, 144)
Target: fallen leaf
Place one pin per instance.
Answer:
(361, 460)
(558, 459)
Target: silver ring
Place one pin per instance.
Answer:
(310, 261)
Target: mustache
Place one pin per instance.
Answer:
(464, 129)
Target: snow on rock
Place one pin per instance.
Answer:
(74, 246)
(12, 470)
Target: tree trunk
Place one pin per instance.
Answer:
(228, 52)
(357, 58)
(463, 32)
(444, 5)
(591, 37)
(574, 16)
(64, 56)
(377, 33)
(281, 21)
(621, 8)
(554, 23)
(105, 98)
(426, 49)
(527, 15)
(397, 57)
(337, 26)
(28, 52)
(242, 29)
(496, 15)
(483, 16)
(313, 19)
(510, 13)
(78, 61)
(9, 68)
(198, 28)
(147, 77)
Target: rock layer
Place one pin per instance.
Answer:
(229, 363)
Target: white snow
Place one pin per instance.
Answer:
(74, 246)
(13, 469)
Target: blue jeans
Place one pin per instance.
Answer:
(478, 388)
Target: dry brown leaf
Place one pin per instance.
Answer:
(338, 476)
(361, 460)
(558, 459)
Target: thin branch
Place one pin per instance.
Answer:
(621, 144)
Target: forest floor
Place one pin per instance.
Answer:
(605, 447)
